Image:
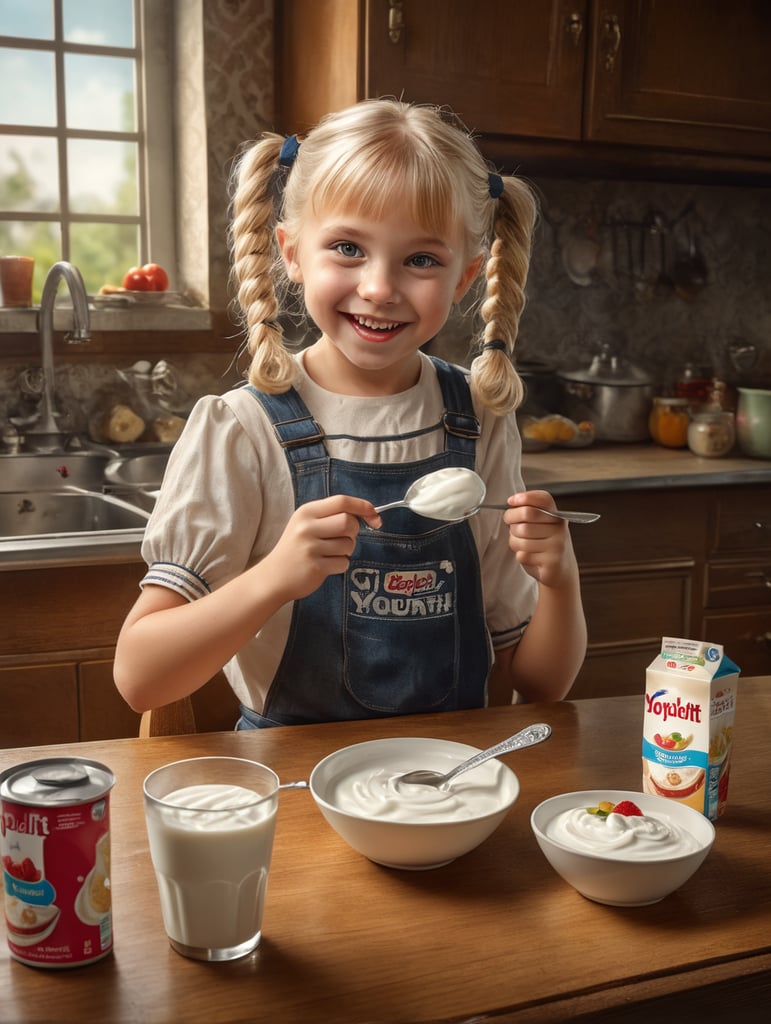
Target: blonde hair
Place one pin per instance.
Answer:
(357, 160)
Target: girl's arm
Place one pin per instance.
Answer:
(545, 663)
(169, 647)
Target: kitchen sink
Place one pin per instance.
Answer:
(35, 513)
(48, 472)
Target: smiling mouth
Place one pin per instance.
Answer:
(368, 327)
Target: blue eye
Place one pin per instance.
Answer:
(422, 261)
(348, 249)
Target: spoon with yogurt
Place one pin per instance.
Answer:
(524, 738)
(457, 493)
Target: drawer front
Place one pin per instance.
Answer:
(737, 584)
(614, 672)
(745, 636)
(638, 606)
(742, 520)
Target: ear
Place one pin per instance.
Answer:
(467, 277)
(288, 254)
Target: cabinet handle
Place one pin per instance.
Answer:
(574, 26)
(395, 20)
(760, 575)
(611, 41)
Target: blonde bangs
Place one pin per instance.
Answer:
(387, 177)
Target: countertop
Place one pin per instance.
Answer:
(622, 467)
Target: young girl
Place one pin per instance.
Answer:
(265, 552)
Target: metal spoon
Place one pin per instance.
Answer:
(525, 738)
(459, 513)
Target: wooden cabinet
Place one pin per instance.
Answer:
(692, 562)
(58, 630)
(690, 76)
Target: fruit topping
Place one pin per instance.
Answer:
(625, 807)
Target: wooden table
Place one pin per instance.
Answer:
(496, 935)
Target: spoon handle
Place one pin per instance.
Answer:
(525, 738)
(391, 504)
(570, 517)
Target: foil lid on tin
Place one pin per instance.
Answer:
(65, 780)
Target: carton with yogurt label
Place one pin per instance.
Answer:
(690, 698)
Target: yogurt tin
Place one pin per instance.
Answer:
(55, 847)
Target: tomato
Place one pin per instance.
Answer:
(149, 278)
(136, 280)
(158, 276)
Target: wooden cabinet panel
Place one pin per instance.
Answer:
(613, 671)
(746, 637)
(688, 75)
(38, 704)
(506, 67)
(104, 714)
(639, 604)
(731, 584)
(741, 521)
(63, 608)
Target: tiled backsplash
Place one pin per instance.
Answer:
(628, 302)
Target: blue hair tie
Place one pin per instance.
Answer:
(495, 185)
(289, 151)
(496, 345)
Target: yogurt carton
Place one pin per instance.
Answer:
(690, 699)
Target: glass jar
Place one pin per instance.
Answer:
(668, 422)
(711, 434)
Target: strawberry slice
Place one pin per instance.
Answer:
(627, 808)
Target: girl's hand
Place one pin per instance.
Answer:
(317, 542)
(540, 543)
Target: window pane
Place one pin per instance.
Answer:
(29, 176)
(38, 239)
(103, 252)
(100, 93)
(33, 18)
(105, 24)
(35, 103)
(103, 176)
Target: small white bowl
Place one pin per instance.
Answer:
(618, 880)
(421, 842)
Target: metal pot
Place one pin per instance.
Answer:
(612, 394)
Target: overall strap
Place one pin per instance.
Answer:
(462, 428)
(302, 440)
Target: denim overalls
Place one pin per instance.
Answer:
(403, 630)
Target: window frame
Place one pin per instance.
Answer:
(152, 52)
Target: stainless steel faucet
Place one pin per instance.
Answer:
(46, 424)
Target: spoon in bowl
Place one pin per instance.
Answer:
(452, 495)
(525, 738)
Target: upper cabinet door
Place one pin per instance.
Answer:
(506, 67)
(681, 74)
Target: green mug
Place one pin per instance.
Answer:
(753, 422)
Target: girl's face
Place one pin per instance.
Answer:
(377, 290)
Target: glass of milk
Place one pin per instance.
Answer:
(210, 822)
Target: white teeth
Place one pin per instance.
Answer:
(376, 325)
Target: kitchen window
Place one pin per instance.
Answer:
(86, 159)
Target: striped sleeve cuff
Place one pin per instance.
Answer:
(506, 637)
(176, 577)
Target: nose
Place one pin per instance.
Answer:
(378, 283)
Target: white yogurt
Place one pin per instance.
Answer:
(212, 864)
(447, 494)
(631, 837)
(373, 793)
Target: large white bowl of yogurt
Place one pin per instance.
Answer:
(624, 860)
(413, 827)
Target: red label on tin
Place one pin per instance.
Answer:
(56, 880)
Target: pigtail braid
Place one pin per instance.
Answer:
(256, 265)
(497, 382)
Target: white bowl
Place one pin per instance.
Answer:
(619, 880)
(423, 841)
